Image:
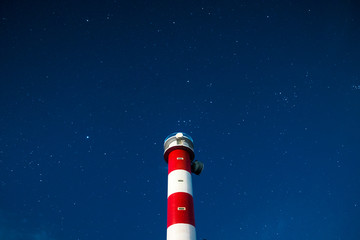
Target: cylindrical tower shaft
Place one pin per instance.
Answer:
(180, 210)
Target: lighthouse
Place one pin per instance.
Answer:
(179, 154)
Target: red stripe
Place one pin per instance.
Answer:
(174, 163)
(176, 200)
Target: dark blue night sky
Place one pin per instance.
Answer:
(268, 90)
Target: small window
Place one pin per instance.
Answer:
(180, 180)
(180, 158)
(181, 208)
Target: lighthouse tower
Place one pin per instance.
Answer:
(179, 154)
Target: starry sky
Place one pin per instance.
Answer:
(268, 90)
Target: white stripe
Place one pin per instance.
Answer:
(181, 231)
(184, 185)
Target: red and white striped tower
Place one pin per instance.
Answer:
(179, 154)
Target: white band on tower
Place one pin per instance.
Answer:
(179, 181)
(181, 231)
